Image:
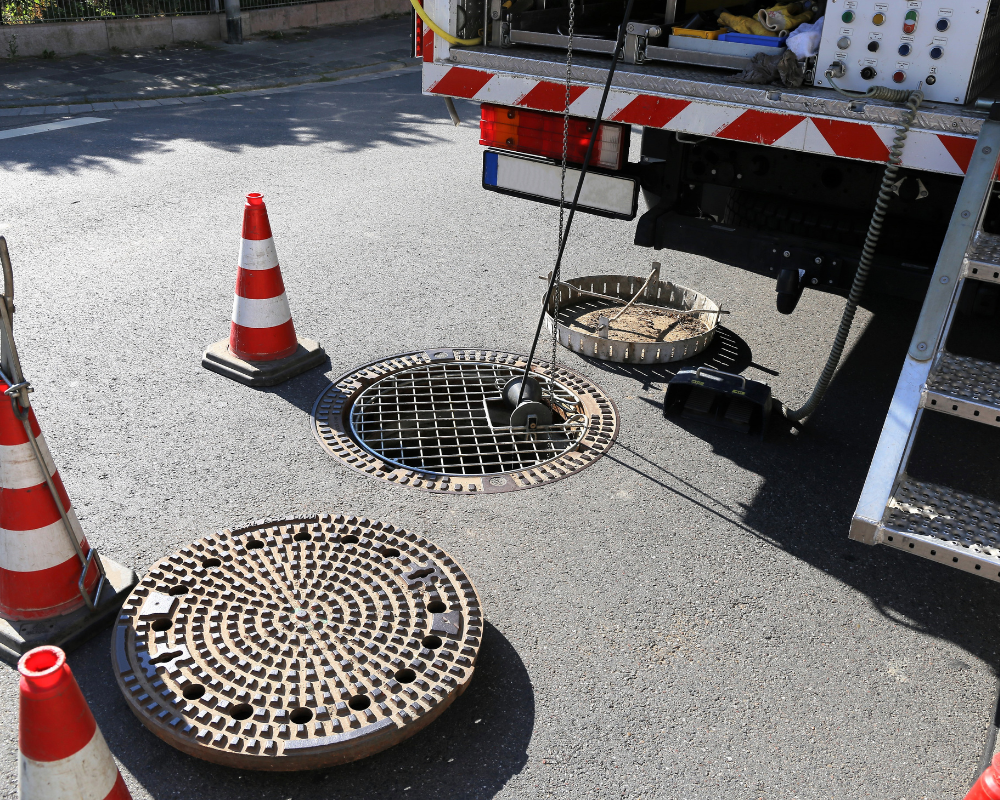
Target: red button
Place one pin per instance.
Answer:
(899, 76)
(909, 27)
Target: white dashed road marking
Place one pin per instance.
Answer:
(51, 126)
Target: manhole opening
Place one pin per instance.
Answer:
(300, 716)
(451, 419)
(438, 420)
(162, 625)
(436, 607)
(241, 711)
(431, 642)
(176, 591)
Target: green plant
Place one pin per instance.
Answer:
(275, 35)
(48, 53)
(12, 46)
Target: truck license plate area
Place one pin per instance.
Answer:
(538, 180)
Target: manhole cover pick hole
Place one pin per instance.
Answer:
(297, 644)
(437, 420)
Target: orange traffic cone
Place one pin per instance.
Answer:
(61, 752)
(53, 588)
(262, 348)
(988, 785)
(39, 567)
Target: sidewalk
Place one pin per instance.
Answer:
(35, 85)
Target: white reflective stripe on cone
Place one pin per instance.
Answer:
(258, 254)
(88, 774)
(40, 548)
(18, 467)
(261, 313)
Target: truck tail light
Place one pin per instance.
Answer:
(541, 133)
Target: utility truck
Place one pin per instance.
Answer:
(784, 181)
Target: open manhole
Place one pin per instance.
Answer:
(297, 644)
(437, 420)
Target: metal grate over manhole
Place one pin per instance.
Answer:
(437, 420)
(297, 644)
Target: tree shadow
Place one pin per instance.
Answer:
(477, 745)
(811, 484)
(344, 117)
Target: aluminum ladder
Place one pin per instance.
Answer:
(929, 520)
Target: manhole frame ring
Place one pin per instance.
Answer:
(556, 469)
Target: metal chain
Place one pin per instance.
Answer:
(562, 182)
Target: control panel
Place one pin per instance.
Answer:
(903, 43)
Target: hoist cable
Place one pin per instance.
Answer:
(619, 45)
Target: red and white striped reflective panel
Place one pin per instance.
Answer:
(418, 34)
(39, 568)
(862, 141)
(262, 327)
(62, 753)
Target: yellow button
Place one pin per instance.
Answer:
(878, 19)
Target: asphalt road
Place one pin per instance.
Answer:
(684, 619)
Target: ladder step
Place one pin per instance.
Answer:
(982, 262)
(964, 387)
(944, 525)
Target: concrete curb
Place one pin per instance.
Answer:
(75, 104)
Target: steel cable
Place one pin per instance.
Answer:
(562, 178)
(619, 45)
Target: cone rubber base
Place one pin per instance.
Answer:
(217, 358)
(68, 630)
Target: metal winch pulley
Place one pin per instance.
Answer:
(529, 411)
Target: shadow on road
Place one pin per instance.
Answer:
(472, 750)
(302, 390)
(347, 117)
(811, 483)
(727, 352)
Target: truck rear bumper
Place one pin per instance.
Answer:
(699, 103)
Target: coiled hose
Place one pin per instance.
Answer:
(913, 100)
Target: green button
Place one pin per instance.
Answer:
(911, 15)
(848, 16)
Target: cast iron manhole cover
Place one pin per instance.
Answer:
(297, 644)
(437, 420)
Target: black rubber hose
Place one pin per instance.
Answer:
(864, 267)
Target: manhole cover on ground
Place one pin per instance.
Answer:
(437, 420)
(297, 644)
